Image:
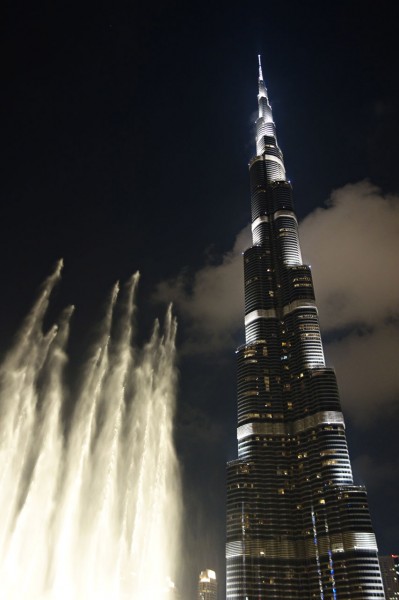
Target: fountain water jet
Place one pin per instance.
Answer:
(92, 513)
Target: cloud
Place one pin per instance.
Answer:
(353, 246)
(366, 363)
(212, 300)
(376, 473)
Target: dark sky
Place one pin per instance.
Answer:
(126, 133)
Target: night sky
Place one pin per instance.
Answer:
(126, 133)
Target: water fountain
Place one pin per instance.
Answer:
(88, 512)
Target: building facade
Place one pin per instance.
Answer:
(207, 585)
(390, 576)
(297, 526)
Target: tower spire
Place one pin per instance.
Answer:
(260, 69)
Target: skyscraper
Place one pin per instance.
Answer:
(297, 526)
(390, 576)
(207, 585)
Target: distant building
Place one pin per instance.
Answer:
(207, 585)
(390, 576)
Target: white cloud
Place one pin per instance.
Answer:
(353, 246)
(212, 300)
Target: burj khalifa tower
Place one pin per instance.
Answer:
(297, 525)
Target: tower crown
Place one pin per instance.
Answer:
(266, 140)
(261, 83)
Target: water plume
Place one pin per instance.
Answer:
(92, 511)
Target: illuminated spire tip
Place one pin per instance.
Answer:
(260, 69)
